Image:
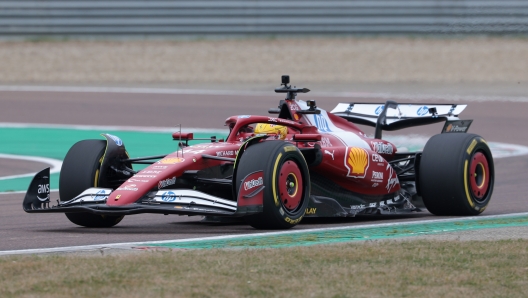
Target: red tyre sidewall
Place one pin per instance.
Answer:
(478, 155)
(290, 216)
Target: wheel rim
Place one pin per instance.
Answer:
(290, 185)
(479, 175)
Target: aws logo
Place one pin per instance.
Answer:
(357, 162)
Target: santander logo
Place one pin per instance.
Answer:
(166, 182)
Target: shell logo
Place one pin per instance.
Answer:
(357, 162)
(171, 160)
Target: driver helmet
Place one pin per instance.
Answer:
(277, 131)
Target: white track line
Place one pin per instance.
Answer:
(130, 245)
(383, 95)
(55, 164)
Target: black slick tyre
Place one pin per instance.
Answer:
(286, 180)
(456, 174)
(80, 170)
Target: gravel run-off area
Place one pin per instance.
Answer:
(339, 60)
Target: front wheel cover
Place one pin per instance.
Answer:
(286, 180)
(80, 170)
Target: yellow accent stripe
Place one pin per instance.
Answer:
(274, 188)
(104, 153)
(96, 181)
(96, 178)
(466, 186)
(240, 150)
(106, 147)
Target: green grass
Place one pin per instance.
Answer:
(369, 269)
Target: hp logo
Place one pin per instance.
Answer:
(422, 111)
(379, 109)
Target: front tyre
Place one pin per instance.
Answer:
(456, 174)
(286, 180)
(80, 171)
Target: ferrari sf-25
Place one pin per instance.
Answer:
(272, 171)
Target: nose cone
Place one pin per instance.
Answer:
(161, 174)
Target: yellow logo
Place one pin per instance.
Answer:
(449, 127)
(310, 211)
(117, 197)
(171, 160)
(293, 221)
(357, 162)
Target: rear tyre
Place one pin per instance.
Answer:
(80, 170)
(286, 180)
(456, 174)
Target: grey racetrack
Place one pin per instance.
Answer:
(496, 121)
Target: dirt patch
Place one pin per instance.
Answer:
(264, 60)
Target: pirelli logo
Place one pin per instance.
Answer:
(472, 146)
(357, 162)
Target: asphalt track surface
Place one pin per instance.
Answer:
(496, 121)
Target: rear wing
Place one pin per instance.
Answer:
(394, 116)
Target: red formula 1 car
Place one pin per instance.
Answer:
(273, 171)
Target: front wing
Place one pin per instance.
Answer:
(168, 201)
